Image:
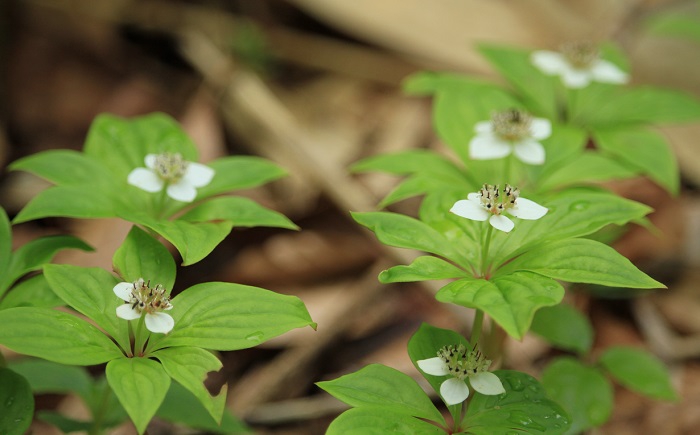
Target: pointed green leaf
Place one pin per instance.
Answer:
(17, 403)
(239, 172)
(565, 327)
(5, 243)
(524, 408)
(50, 377)
(90, 292)
(581, 390)
(189, 367)
(60, 337)
(243, 212)
(639, 371)
(414, 186)
(420, 83)
(31, 292)
(644, 150)
(422, 269)
(142, 256)
(68, 201)
(65, 168)
(368, 421)
(141, 385)
(581, 260)
(511, 300)
(589, 167)
(225, 316)
(408, 162)
(383, 388)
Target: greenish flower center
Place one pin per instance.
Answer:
(581, 55)
(496, 201)
(511, 124)
(170, 167)
(147, 299)
(462, 362)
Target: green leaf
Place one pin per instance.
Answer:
(5, 243)
(565, 327)
(589, 167)
(523, 408)
(225, 316)
(515, 66)
(239, 172)
(417, 161)
(55, 336)
(65, 168)
(32, 255)
(420, 83)
(511, 300)
(675, 25)
(68, 201)
(141, 385)
(422, 269)
(142, 256)
(581, 260)
(180, 406)
(382, 388)
(17, 403)
(414, 186)
(643, 149)
(90, 292)
(426, 343)
(367, 421)
(189, 367)
(581, 390)
(398, 230)
(32, 292)
(194, 240)
(50, 377)
(122, 144)
(639, 371)
(243, 212)
(63, 423)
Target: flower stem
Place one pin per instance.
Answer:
(476, 328)
(506, 168)
(138, 338)
(485, 250)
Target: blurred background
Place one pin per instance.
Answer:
(315, 85)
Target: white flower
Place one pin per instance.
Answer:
(139, 298)
(461, 364)
(179, 177)
(578, 64)
(487, 205)
(510, 131)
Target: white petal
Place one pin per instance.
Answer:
(182, 191)
(159, 322)
(125, 312)
(549, 62)
(474, 196)
(483, 127)
(469, 209)
(150, 160)
(529, 151)
(608, 72)
(198, 175)
(433, 366)
(123, 290)
(486, 383)
(145, 179)
(540, 128)
(501, 222)
(488, 146)
(454, 391)
(526, 209)
(576, 78)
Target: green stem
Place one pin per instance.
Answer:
(506, 168)
(139, 338)
(476, 328)
(485, 249)
(456, 413)
(161, 202)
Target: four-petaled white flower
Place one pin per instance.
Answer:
(486, 204)
(140, 298)
(578, 64)
(510, 131)
(462, 364)
(179, 177)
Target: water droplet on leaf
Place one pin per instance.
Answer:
(579, 206)
(255, 336)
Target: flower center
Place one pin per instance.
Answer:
(462, 362)
(491, 199)
(170, 167)
(147, 299)
(511, 124)
(580, 55)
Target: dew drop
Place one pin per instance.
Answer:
(516, 384)
(522, 419)
(579, 206)
(255, 336)
(10, 401)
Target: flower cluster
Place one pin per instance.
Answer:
(140, 298)
(510, 131)
(179, 177)
(489, 204)
(578, 64)
(462, 364)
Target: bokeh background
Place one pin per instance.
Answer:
(315, 85)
